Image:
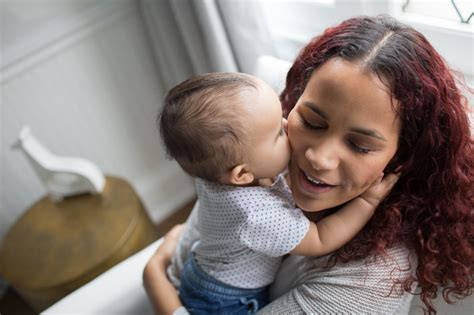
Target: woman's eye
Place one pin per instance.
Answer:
(310, 126)
(357, 149)
(353, 146)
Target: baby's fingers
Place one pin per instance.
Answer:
(380, 189)
(389, 181)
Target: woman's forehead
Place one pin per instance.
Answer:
(345, 90)
(347, 82)
(339, 74)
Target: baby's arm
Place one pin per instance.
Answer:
(336, 230)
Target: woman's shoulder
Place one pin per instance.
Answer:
(397, 262)
(365, 285)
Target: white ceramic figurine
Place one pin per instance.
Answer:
(62, 176)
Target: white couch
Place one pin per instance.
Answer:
(120, 290)
(117, 291)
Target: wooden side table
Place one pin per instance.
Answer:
(55, 248)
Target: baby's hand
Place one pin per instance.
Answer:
(379, 189)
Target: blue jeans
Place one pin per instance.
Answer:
(203, 294)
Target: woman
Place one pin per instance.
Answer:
(367, 96)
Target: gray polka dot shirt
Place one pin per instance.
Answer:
(245, 231)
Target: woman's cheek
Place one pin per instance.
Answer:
(295, 136)
(375, 174)
(363, 179)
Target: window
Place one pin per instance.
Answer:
(293, 23)
(453, 10)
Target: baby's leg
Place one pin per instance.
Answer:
(202, 294)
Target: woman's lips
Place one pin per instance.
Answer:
(312, 187)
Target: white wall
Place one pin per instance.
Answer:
(81, 75)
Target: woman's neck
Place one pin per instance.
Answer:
(315, 216)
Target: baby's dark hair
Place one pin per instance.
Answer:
(201, 126)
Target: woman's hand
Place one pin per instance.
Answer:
(160, 291)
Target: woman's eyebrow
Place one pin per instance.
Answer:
(315, 109)
(368, 132)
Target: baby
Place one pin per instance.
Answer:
(227, 130)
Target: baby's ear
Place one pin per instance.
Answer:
(240, 175)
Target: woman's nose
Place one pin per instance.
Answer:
(322, 157)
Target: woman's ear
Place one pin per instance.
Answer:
(240, 175)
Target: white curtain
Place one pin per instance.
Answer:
(196, 36)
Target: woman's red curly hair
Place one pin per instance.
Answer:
(430, 209)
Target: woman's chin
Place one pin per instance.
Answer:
(310, 197)
(310, 205)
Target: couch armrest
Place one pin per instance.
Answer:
(119, 290)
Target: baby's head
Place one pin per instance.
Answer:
(226, 128)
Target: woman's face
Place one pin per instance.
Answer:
(343, 133)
